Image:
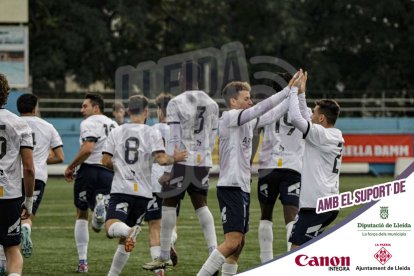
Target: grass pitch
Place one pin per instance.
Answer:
(54, 250)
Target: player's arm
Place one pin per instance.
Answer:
(294, 113)
(83, 154)
(56, 156)
(213, 131)
(175, 131)
(107, 160)
(164, 159)
(28, 179)
(302, 98)
(274, 114)
(262, 107)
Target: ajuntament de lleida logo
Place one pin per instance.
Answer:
(384, 212)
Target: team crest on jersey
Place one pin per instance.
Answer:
(384, 212)
(122, 207)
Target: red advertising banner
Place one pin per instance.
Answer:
(376, 148)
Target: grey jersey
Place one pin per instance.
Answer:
(45, 137)
(14, 135)
(131, 146)
(96, 128)
(197, 115)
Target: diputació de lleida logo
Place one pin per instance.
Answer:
(384, 212)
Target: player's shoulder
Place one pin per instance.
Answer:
(38, 121)
(12, 120)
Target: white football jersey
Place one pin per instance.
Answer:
(197, 114)
(131, 146)
(96, 128)
(157, 170)
(321, 164)
(235, 150)
(282, 146)
(14, 134)
(45, 137)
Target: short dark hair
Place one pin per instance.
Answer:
(162, 101)
(330, 108)
(26, 103)
(232, 89)
(4, 90)
(137, 104)
(96, 99)
(117, 106)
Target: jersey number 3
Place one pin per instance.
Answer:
(199, 123)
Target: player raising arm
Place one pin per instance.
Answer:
(233, 188)
(321, 164)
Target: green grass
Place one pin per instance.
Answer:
(55, 252)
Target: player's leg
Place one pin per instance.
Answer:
(205, 218)
(309, 225)
(26, 244)
(230, 265)
(101, 198)
(198, 189)
(3, 262)
(10, 235)
(153, 218)
(267, 193)
(14, 260)
(290, 212)
(124, 211)
(235, 225)
(168, 222)
(81, 232)
(289, 196)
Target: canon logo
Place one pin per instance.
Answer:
(303, 260)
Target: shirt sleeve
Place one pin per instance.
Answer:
(294, 113)
(317, 135)
(109, 146)
(304, 110)
(88, 132)
(172, 113)
(213, 132)
(157, 144)
(274, 114)
(26, 137)
(262, 107)
(56, 140)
